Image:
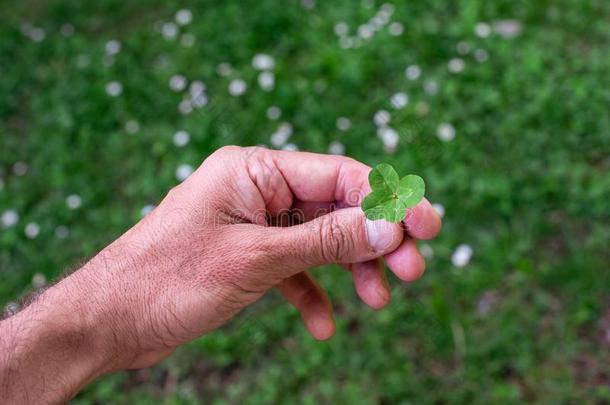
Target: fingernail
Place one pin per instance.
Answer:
(381, 235)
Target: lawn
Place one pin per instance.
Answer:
(502, 107)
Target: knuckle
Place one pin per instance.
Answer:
(335, 241)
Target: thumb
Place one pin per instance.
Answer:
(342, 236)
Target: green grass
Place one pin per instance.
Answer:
(525, 183)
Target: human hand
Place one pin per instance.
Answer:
(249, 219)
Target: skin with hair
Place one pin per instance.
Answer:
(248, 220)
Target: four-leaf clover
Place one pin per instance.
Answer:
(391, 195)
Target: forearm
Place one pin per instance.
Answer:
(56, 345)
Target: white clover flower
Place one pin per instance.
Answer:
(37, 34)
(445, 132)
(114, 88)
(341, 29)
(187, 40)
(291, 147)
(224, 69)
(237, 87)
(112, 47)
(389, 137)
(263, 61)
(20, 168)
(39, 280)
(274, 113)
(74, 201)
(399, 100)
(387, 8)
(456, 65)
(481, 55)
(177, 83)
(461, 256)
(181, 138)
(132, 126)
(463, 48)
(62, 232)
(183, 171)
(199, 101)
(9, 218)
(336, 148)
(507, 28)
(169, 31)
(439, 208)
(266, 80)
(184, 16)
(431, 87)
(185, 107)
(343, 124)
(413, 72)
(396, 29)
(281, 135)
(482, 29)
(32, 229)
(382, 118)
(11, 309)
(197, 87)
(147, 209)
(365, 31)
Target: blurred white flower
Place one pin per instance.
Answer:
(199, 101)
(507, 28)
(11, 309)
(263, 61)
(341, 29)
(413, 72)
(67, 30)
(291, 147)
(112, 47)
(426, 251)
(399, 100)
(343, 124)
(181, 138)
(169, 31)
(32, 229)
(445, 132)
(74, 201)
(389, 137)
(187, 40)
(274, 113)
(224, 69)
(463, 48)
(481, 55)
(439, 208)
(9, 218)
(266, 80)
(308, 4)
(62, 232)
(39, 280)
(336, 148)
(281, 135)
(461, 256)
(431, 87)
(185, 107)
(237, 87)
(382, 118)
(365, 31)
(184, 16)
(487, 302)
(197, 87)
(482, 29)
(37, 34)
(132, 126)
(114, 88)
(147, 209)
(20, 168)
(396, 29)
(177, 83)
(183, 171)
(456, 65)
(387, 8)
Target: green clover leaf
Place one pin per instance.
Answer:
(391, 195)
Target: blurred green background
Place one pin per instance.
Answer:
(502, 106)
